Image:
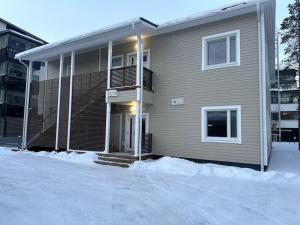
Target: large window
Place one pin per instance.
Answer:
(221, 50)
(117, 61)
(221, 124)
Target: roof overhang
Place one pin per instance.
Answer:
(88, 40)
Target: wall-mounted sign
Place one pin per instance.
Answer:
(112, 93)
(177, 101)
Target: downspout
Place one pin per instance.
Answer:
(25, 107)
(262, 141)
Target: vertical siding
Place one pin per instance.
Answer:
(176, 62)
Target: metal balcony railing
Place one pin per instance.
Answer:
(126, 77)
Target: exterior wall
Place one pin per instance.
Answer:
(176, 62)
(130, 95)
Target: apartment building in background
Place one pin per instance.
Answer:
(288, 119)
(13, 78)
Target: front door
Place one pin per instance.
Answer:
(130, 134)
(130, 130)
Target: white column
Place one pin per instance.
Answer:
(100, 54)
(138, 96)
(108, 104)
(61, 69)
(26, 105)
(141, 104)
(70, 98)
(44, 95)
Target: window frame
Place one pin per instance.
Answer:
(228, 139)
(122, 61)
(226, 35)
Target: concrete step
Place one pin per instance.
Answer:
(110, 163)
(115, 159)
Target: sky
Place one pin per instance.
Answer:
(54, 20)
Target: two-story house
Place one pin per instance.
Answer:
(195, 88)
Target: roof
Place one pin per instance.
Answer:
(132, 27)
(15, 28)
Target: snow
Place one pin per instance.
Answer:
(285, 157)
(48, 188)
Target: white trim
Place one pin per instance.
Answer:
(61, 70)
(228, 139)
(122, 61)
(133, 115)
(72, 72)
(262, 88)
(134, 53)
(226, 35)
(108, 104)
(26, 104)
(121, 127)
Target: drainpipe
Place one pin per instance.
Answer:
(261, 93)
(26, 103)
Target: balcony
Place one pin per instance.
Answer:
(126, 77)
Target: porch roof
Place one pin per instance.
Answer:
(88, 40)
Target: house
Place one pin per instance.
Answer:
(13, 79)
(195, 88)
(288, 95)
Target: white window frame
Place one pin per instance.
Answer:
(226, 35)
(228, 139)
(147, 51)
(122, 61)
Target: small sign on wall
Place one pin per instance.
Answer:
(112, 93)
(177, 101)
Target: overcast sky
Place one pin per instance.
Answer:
(53, 20)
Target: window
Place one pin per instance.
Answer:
(68, 70)
(221, 124)
(221, 50)
(117, 62)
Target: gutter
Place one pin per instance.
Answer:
(261, 92)
(25, 118)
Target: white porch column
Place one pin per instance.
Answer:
(137, 135)
(70, 98)
(142, 96)
(61, 70)
(26, 105)
(108, 105)
(44, 102)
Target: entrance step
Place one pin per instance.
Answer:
(119, 159)
(110, 163)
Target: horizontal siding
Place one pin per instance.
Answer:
(130, 95)
(176, 62)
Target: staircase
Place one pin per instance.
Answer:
(88, 99)
(119, 159)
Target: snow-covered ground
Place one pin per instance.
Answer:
(48, 188)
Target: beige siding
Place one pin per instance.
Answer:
(130, 95)
(176, 62)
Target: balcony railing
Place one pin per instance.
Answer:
(126, 77)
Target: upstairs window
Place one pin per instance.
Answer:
(221, 50)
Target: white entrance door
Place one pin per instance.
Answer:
(131, 59)
(130, 132)
(130, 129)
